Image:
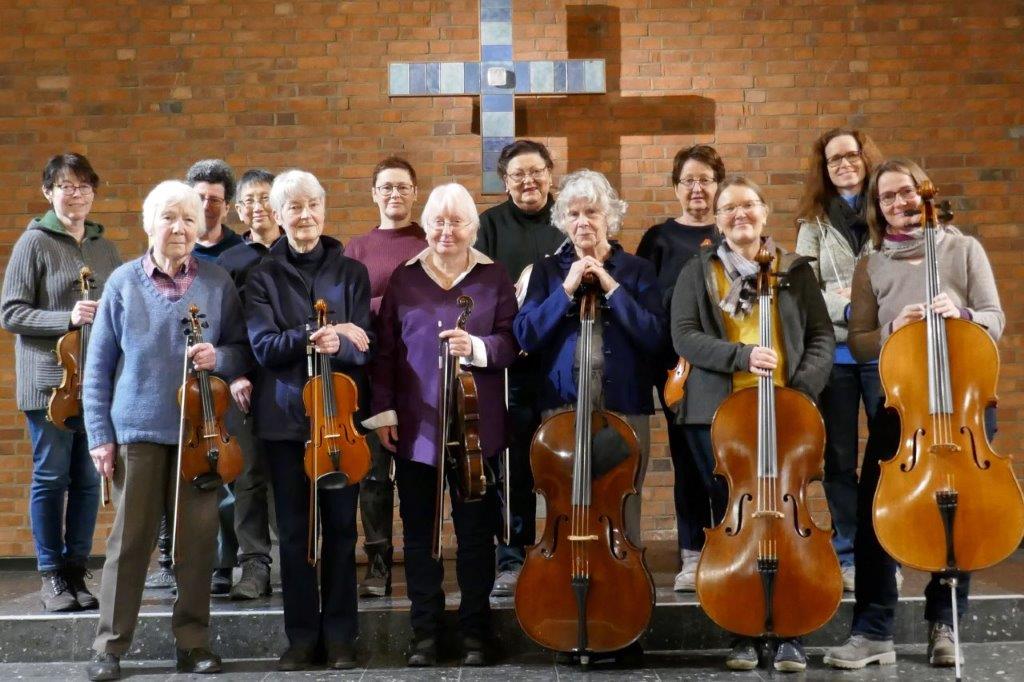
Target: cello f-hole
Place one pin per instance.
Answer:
(613, 537)
(909, 466)
(794, 510)
(983, 465)
(729, 530)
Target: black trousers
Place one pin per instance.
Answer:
(875, 608)
(377, 502)
(524, 419)
(713, 488)
(474, 557)
(326, 615)
(692, 503)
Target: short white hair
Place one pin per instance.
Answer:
(453, 199)
(594, 188)
(171, 192)
(294, 183)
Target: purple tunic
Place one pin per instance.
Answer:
(405, 371)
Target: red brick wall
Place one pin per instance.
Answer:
(144, 88)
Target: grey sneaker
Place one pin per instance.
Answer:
(743, 655)
(849, 578)
(161, 579)
(941, 649)
(56, 594)
(505, 584)
(254, 583)
(858, 651)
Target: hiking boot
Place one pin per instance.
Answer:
(505, 583)
(858, 651)
(75, 577)
(254, 583)
(743, 655)
(790, 656)
(56, 594)
(377, 581)
(161, 579)
(941, 648)
(220, 581)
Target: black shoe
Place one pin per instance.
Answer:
(198, 660)
(377, 581)
(161, 579)
(297, 657)
(422, 653)
(254, 583)
(790, 656)
(744, 654)
(632, 656)
(104, 667)
(220, 583)
(341, 656)
(473, 652)
(56, 594)
(75, 577)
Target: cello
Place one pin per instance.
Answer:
(208, 456)
(584, 587)
(458, 431)
(946, 502)
(336, 453)
(66, 399)
(766, 570)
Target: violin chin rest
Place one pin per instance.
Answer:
(208, 481)
(336, 480)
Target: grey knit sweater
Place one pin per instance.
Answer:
(40, 289)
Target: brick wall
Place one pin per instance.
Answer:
(144, 88)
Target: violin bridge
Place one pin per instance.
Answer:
(583, 538)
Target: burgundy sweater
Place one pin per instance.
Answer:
(381, 251)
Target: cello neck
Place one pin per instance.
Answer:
(940, 392)
(582, 465)
(767, 450)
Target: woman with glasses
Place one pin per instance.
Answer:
(889, 293)
(419, 311)
(833, 231)
(41, 303)
(517, 233)
(696, 173)
(715, 325)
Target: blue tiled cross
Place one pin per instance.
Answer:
(497, 78)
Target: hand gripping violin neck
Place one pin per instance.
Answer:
(336, 453)
(766, 569)
(585, 587)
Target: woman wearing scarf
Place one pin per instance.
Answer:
(833, 230)
(715, 327)
(889, 293)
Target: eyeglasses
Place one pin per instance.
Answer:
(849, 157)
(519, 177)
(261, 199)
(69, 189)
(746, 206)
(211, 200)
(388, 190)
(453, 223)
(907, 194)
(688, 183)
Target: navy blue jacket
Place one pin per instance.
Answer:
(240, 259)
(278, 304)
(634, 330)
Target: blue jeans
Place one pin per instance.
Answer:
(61, 466)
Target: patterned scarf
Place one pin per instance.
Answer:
(742, 274)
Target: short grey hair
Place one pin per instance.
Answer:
(294, 183)
(214, 172)
(171, 192)
(451, 198)
(594, 188)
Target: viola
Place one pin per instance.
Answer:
(767, 569)
(674, 391)
(66, 399)
(336, 453)
(946, 502)
(459, 450)
(584, 587)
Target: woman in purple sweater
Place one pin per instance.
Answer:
(421, 300)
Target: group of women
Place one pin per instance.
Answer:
(690, 292)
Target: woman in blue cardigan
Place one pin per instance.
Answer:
(633, 328)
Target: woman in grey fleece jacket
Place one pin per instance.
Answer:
(40, 304)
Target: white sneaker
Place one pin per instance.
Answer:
(686, 579)
(849, 578)
(899, 580)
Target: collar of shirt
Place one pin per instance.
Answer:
(423, 257)
(172, 286)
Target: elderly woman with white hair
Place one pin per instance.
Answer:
(632, 327)
(421, 300)
(279, 295)
(132, 376)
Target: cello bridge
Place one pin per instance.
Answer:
(583, 538)
(949, 448)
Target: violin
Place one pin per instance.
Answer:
(66, 399)
(946, 502)
(767, 569)
(336, 453)
(459, 450)
(674, 391)
(584, 587)
(208, 457)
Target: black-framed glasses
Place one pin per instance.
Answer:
(85, 190)
(836, 160)
(387, 190)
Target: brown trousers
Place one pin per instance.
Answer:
(144, 483)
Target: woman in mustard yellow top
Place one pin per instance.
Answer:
(715, 327)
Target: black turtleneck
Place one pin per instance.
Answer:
(669, 245)
(515, 238)
(307, 263)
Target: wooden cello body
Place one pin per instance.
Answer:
(767, 569)
(946, 501)
(584, 587)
